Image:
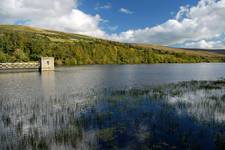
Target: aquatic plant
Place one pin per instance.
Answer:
(184, 115)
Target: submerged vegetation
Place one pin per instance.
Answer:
(19, 43)
(185, 115)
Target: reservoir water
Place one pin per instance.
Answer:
(70, 80)
(114, 107)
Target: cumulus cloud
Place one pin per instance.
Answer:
(200, 23)
(53, 14)
(126, 11)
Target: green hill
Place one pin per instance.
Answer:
(21, 43)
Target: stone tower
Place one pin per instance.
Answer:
(47, 64)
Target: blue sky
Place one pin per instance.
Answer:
(176, 23)
(145, 13)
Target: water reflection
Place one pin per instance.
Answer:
(186, 115)
(48, 83)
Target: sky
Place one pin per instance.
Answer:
(175, 23)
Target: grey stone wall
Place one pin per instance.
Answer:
(28, 65)
(45, 64)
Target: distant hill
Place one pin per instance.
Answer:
(22, 43)
(218, 51)
(191, 50)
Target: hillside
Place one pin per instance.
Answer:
(21, 43)
(218, 51)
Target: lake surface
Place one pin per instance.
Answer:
(114, 107)
(70, 80)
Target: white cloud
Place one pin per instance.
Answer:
(113, 28)
(76, 21)
(126, 11)
(205, 44)
(53, 14)
(17, 9)
(198, 23)
(106, 6)
(182, 13)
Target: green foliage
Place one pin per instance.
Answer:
(20, 55)
(3, 57)
(18, 43)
